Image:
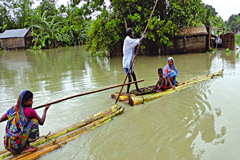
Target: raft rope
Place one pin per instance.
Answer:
(46, 136)
(136, 52)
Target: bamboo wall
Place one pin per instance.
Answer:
(191, 44)
(11, 43)
(229, 41)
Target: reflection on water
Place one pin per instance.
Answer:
(196, 123)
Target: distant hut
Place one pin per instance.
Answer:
(189, 40)
(229, 41)
(15, 38)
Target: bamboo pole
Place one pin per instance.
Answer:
(75, 126)
(136, 52)
(86, 93)
(82, 94)
(67, 138)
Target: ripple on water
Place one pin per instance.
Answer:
(177, 126)
(181, 114)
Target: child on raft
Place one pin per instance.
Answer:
(162, 82)
(170, 72)
(23, 124)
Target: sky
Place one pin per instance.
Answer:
(225, 8)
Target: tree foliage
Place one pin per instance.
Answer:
(103, 27)
(51, 27)
(135, 14)
(233, 22)
(210, 17)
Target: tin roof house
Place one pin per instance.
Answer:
(15, 38)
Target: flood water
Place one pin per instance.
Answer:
(200, 122)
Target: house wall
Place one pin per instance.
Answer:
(192, 44)
(11, 43)
(229, 41)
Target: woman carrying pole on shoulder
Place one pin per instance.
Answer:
(128, 54)
(23, 124)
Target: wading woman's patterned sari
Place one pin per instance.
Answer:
(19, 131)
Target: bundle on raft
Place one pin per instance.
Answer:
(149, 93)
(57, 139)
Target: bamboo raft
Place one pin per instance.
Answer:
(57, 139)
(149, 93)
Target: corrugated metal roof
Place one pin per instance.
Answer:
(14, 33)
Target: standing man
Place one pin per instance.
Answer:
(128, 54)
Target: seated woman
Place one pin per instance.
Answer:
(22, 125)
(162, 82)
(170, 72)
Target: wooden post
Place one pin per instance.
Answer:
(223, 32)
(208, 38)
(234, 40)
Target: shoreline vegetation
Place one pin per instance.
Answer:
(74, 24)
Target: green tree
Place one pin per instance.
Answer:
(50, 6)
(99, 38)
(89, 6)
(233, 22)
(107, 32)
(6, 20)
(14, 13)
(210, 17)
(22, 11)
(48, 31)
(64, 28)
(51, 26)
(77, 25)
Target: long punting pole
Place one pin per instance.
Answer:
(136, 52)
(87, 93)
(82, 94)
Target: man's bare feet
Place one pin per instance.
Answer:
(130, 101)
(129, 95)
(29, 149)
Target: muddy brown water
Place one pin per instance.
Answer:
(200, 122)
